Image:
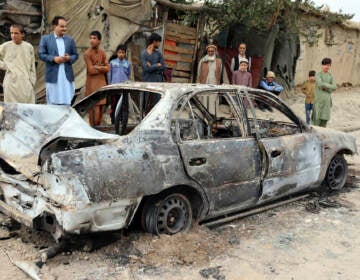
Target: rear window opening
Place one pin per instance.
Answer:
(123, 109)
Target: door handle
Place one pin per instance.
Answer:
(275, 153)
(197, 161)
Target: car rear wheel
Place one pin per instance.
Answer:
(336, 173)
(170, 214)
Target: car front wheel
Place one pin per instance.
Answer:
(336, 173)
(167, 215)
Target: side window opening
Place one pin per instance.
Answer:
(206, 115)
(271, 120)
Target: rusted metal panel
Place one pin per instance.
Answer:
(294, 163)
(228, 168)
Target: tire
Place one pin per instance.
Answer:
(336, 173)
(170, 214)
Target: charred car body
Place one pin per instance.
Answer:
(202, 151)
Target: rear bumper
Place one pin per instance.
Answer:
(38, 212)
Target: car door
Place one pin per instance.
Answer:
(291, 153)
(227, 166)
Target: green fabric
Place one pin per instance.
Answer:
(325, 85)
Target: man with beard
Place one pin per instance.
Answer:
(152, 63)
(210, 69)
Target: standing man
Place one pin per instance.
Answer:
(234, 66)
(97, 66)
(324, 86)
(59, 52)
(152, 63)
(18, 60)
(210, 68)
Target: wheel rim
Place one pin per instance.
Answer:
(173, 215)
(336, 173)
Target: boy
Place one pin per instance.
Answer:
(241, 76)
(309, 90)
(96, 68)
(120, 70)
(324, 86)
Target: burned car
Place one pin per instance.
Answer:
(200, 152)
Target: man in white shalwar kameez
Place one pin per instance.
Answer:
(18, 60)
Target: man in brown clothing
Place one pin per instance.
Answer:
(210, 68)
(97, 66)
(309, 90)
(209, 72)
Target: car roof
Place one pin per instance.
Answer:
(170, 88)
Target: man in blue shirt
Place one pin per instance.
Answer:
(59, 52)
(269, 84)
(152, 63)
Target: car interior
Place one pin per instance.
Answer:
(205, 116)
(210, 116)
(124, 109)
(271, 118)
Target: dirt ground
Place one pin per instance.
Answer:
(288, 242)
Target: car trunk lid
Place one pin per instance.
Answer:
(26, 128)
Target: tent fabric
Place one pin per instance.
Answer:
(117, 21)
(128, 9)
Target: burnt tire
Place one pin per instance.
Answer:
(170, 214)
(336, 173)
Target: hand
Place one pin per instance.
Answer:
(148, 63)
(58, 59)
(159, 64)
(66, 57)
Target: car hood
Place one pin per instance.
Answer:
(26, 128)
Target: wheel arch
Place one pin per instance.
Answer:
(344, 151)
(328, 157)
